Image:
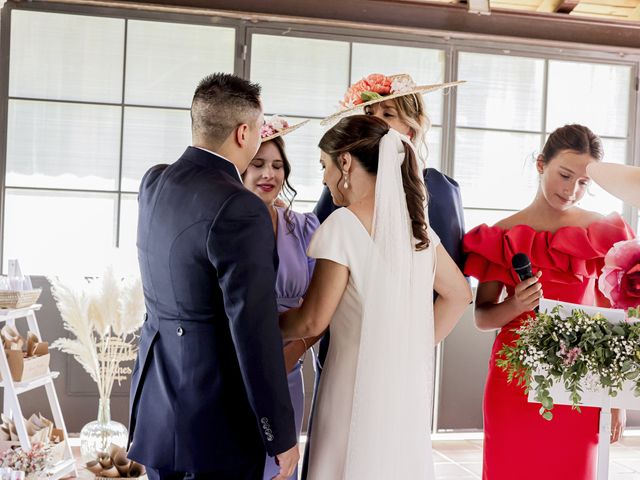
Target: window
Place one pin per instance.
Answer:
(505, 113)
(93, 103)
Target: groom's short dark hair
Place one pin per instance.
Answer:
(221, 103)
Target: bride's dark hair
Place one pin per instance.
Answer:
(360, 135)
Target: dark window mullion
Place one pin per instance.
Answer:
(5, 48)
(122, 107)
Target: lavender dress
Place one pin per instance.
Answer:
(294, 275)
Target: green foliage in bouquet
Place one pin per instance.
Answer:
(578, 350)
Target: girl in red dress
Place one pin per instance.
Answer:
(566, 245)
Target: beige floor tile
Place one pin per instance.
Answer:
(451, 470)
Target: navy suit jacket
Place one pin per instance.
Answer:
(209, 389)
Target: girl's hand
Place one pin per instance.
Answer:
(528, 294)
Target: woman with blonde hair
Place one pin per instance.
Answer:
(397, 100)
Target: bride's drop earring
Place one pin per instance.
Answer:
(346, 180)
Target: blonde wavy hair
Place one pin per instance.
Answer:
(411, 111)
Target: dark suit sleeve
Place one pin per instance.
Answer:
(151, 176)
(446, 214)
(240, 246)
(325, 206)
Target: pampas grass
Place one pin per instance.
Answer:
(103, 316)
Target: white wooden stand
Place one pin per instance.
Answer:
(12, 389)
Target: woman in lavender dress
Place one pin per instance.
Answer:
(267, 176)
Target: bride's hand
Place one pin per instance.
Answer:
(618, 422)
(292, 352)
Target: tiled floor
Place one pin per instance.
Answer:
(462, 459)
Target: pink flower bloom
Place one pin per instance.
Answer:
(376, 83)
(569, 356)
(572, 356)
(563, 349)
(267, 130)
(620, 278)
(272, 126)
(379, 84)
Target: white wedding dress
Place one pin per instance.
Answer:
(373, 410)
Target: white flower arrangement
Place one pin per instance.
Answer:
(551, 348)
(103, 315)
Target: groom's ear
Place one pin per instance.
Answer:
(241, 134)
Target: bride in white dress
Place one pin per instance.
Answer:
(373, 281)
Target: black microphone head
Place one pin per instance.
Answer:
(520, 261)
(522, 265)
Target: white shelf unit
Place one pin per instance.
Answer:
(12, 390)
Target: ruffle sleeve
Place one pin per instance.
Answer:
(569, 255)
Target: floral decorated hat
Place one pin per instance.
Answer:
(277, 126)
(622, 181)
(379, 88)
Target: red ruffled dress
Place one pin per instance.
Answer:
(518, 443)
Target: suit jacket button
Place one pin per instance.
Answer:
(180, 331)
(145, 317)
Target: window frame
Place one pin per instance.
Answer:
(451, 43)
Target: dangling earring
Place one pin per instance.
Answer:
(346, 180)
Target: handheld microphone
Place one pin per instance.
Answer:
(522, 265)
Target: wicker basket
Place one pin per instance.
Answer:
(19, 299)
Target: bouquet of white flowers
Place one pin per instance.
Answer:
(575, 350)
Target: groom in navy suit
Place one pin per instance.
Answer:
(209, 391)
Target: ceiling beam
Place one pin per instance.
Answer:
(406, 14)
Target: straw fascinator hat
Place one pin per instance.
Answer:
(379, 88)
(277, 126)
(622, 181)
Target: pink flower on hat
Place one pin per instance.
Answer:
(374, 83)
(267, 130)
(379, 84)
(272, 126)
(620, 278)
